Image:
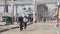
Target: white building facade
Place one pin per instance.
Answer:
(15, 7)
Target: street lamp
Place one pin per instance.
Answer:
(34, 8)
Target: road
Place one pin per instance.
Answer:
(38, 28)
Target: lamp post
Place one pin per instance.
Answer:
(34, 7)
(6, 6)
(12, 12)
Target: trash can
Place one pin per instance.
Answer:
(9, 20)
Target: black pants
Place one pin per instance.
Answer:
(35, 21)
(25, 25)
(21, 26)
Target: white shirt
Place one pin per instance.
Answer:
(25, 19)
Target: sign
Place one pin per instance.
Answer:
(58, 13)
(58, 17)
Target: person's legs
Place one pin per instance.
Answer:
(35, 21)
(25, 25)
(21, 26)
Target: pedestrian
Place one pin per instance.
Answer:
(29, 19)
(35, 19)
(20, 21)
(44, 20)
(25, 22)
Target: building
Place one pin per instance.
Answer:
(28, 3)
(14, 6)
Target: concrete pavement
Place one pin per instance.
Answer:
(38, 28)
(8, 27)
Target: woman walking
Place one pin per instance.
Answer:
(25, 22)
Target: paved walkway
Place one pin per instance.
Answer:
(7, 27)
(38, 28)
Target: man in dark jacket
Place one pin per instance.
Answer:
(20, 19)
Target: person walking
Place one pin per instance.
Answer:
(20, 21)
(35, 19)
(25, 22)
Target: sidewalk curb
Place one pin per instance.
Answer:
(3, 30)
